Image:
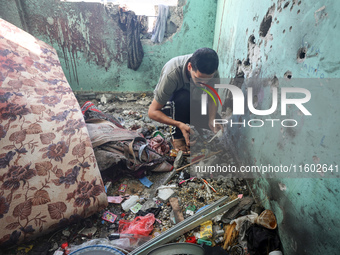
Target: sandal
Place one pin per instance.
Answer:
(180, 145)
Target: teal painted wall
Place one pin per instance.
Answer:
(92, 48)
(307, 209)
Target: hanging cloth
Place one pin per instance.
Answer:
(131, 24)
(159, 29)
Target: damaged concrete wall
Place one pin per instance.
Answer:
(261, 42)
(92, 47)
(11, 11)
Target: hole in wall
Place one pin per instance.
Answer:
(286, 5)
(274, 82)
(251, 39)
(246, 62)
(252, 140)
(265, 25)
(284, 31)
(290, 29)
(301, 54)
(299, 2)
(298, 12)
(288, 75)
(267, 21)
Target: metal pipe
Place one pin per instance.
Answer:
(186, 225)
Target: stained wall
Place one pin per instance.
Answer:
(92, 47)
(274, 44)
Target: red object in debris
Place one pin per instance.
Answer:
(141, 225)
(122, 187)
(191, 239)
(64, 246)
(122, 215)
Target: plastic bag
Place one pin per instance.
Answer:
(141, 225)
(239, 221)
(267, 219)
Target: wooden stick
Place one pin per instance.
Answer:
(197, 160)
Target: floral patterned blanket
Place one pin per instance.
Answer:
(49, 176)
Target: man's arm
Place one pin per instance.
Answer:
(156, 114)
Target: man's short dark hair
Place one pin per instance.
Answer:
(204, 60)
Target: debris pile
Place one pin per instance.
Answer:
(147, 211)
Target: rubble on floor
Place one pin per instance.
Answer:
(158, 202)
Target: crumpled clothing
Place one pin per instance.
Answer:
(159, 145)
(131, 23)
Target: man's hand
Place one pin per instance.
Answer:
(185, 131)
(156, 114)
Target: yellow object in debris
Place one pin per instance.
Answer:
(206, 229)
(173, 153)
(230, 235)
(27, 249)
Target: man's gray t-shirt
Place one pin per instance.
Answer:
(173, 78)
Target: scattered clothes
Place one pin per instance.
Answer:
(131, 24)
(242, 239)
(90, 111)
(159, 29)
(158, 144)
(113, 145)
(261, 240)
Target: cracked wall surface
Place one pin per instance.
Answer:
(266, 44)
(92, 47)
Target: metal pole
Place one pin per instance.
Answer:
(185, 226)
